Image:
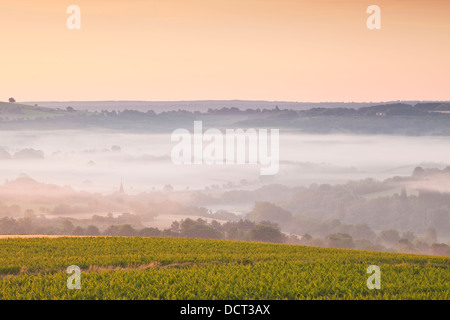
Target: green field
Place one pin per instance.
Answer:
(169, 268)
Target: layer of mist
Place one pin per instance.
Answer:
(96, 161)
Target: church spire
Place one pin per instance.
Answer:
(121, 187)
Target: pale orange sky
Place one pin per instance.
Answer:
(292, 50)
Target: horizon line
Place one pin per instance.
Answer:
(234, 100)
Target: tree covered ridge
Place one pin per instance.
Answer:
(431, 118)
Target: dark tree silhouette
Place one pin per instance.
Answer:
(266, 233)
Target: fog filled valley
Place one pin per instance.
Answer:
(379, 182)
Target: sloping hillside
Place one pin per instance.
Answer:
(174, 268)
(17, 111)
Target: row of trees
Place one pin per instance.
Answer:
(403, 244)
(244, 230)
(241, 230)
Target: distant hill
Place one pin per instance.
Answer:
(203, 105)
(420, 119)
(17, 111)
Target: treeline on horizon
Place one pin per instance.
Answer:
(394, 118)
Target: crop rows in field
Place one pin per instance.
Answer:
(168, 268)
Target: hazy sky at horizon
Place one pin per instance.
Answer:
(291, 50)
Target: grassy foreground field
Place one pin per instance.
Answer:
(167, 268)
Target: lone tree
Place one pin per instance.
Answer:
(12, 100)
